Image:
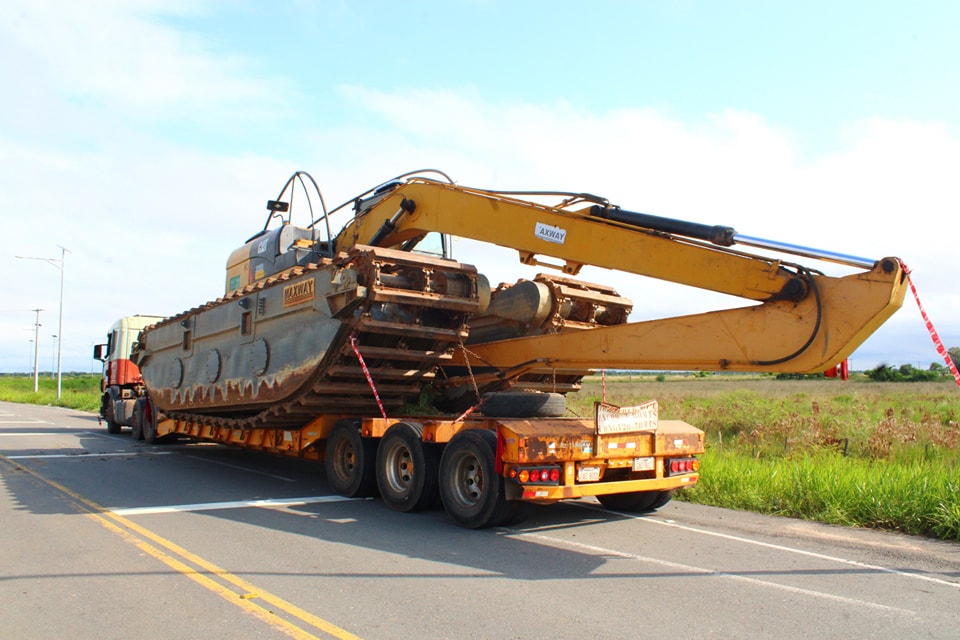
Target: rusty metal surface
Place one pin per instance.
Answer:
(546, 305)
(564, 439)
(278, 353)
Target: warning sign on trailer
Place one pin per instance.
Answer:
(613, 419)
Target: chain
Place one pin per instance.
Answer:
(476, 389)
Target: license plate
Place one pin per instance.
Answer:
(643, 464)
(588, 474)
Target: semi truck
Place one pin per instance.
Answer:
(412, 378)
(121, 385)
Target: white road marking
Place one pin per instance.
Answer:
(239, 504)
(20, 420)
(778, 547)
(27, 434)
(709, 572)
(88, 454)
(24, 434)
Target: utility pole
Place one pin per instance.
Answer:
(59, 264)
(36, 352)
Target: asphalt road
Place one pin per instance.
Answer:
(103, 538)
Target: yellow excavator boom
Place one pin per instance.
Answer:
(804, 322)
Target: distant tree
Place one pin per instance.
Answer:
(882, 373)
(954, 353)
(938, 368)
(903, 373)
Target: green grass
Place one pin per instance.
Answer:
(78, 391)
(919, 498)
(866, 454)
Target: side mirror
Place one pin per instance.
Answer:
(100, 352)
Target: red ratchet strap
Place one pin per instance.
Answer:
(466, 414)
(937, 342)
(366, 372)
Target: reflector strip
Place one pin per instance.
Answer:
(937, 342)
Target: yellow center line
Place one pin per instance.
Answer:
(123, 527)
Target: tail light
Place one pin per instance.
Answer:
(679, 466)
(536, 475)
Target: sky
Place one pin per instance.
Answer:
(145, 137)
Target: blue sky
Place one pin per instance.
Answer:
(146, 136)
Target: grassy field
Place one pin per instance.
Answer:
(883, 455)
(868, 454)
(78, 391)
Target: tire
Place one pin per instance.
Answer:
(636, 502)
(523, 404)
(136, 424)
(471, 489)
(350, 461)
(148, 427)
(407, 469)
(113, 427)
(151, 418)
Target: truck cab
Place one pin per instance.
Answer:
(122, 384)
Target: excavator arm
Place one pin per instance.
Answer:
(578, 237)
(804, 321)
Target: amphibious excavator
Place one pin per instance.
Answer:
(407, 372)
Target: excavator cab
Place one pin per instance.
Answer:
(273, 251)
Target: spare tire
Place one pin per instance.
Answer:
(523, 404)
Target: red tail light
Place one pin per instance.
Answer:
(539, 475)
(679, 466)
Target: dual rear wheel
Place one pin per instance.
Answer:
(412, 475)
(407, 469)
(473, 492)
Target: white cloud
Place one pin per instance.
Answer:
(150, 221)
(124, 58)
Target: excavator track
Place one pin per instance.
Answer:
(548, 304)
(403, 313)
(579, 306)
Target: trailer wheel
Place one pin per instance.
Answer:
(148, 426)
(523, 404)
(472, 491)
(407, 468)
(136, 424)
(636, 502)
(349, 461)
(151, 418)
